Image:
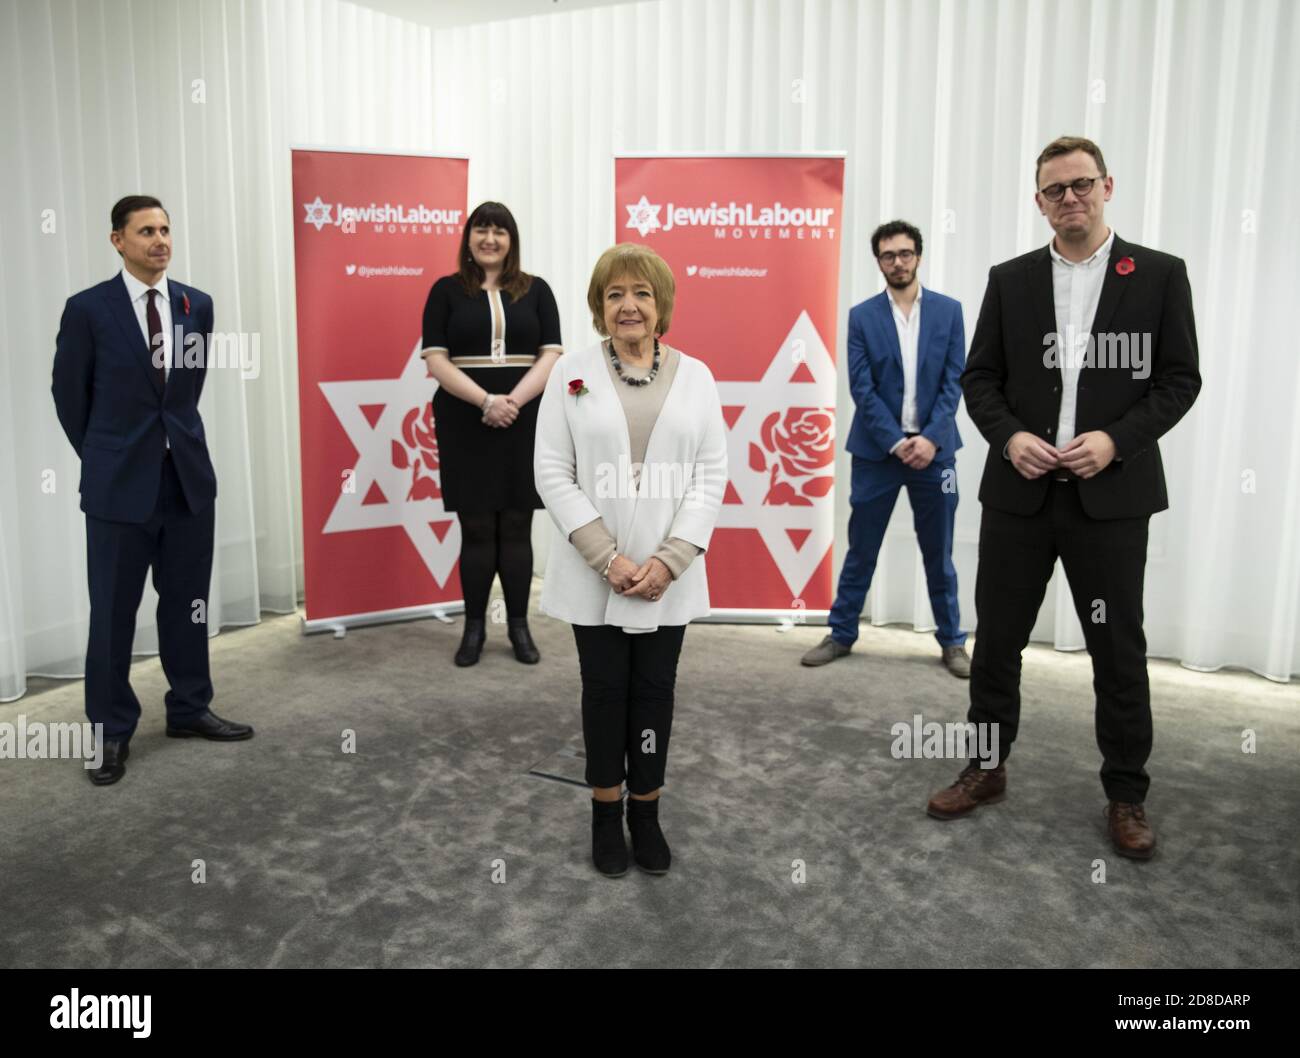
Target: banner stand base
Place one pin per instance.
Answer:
(340, 625)
(785, 619)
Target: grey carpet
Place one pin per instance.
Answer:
(386, 857)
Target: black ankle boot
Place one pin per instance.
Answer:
(471, 642)
(649, 848)
(608, 847)
(522, 640)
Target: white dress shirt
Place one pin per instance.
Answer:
(909, 337)
(139, 294)
(1076, 289)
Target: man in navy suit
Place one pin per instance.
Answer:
(129, 364)
(907, 348)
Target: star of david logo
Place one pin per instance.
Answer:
(374, 414)
(643, 217)
(789, 511)
(318, 213)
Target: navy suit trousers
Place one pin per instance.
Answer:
(933, 495)
(177, 544)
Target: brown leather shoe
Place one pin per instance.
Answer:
(1130, 832)
(975, 786)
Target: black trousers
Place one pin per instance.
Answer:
(178, 545)
(1105, 564)
(627, 702)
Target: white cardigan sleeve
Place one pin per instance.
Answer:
(707, 484)
(555, 463)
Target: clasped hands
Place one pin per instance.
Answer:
(916, 452)
(503, 411)
(1086, 456)
(648, 580)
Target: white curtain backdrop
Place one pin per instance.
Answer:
(941, 106)
(197, 103)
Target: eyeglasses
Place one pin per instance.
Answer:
(902, 257)
(1080, 187)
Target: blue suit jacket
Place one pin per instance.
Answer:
(114, 412)
(876, 375)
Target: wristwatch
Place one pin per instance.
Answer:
(486, 406)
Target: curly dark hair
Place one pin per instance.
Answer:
(895, 227)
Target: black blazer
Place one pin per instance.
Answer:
(1009, 387)
(115, 414)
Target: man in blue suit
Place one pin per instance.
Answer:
(129, 365)
(907, 348)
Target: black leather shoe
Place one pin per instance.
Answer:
(649, 848)
(471, 642)
(210, 726)
(113, 766)
(521, 639)
(608, 846)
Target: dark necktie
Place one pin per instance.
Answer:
(155, 339)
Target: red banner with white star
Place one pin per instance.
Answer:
(372, 234)
(754, 247)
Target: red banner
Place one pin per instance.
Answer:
(373, 232)
(754, 245)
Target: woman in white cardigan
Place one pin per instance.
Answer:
(631, 462)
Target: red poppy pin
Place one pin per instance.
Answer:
(1124, 266)
(185, 304)
(576, 388)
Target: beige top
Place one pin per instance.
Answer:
(641, 406)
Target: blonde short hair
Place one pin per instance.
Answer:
(638, 262)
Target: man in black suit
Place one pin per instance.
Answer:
(129, 365)
(1083, 357)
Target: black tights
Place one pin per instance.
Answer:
(496, 542)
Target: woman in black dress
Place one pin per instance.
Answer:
(491, 337)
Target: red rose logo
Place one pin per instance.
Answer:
(576, 388)
(803, 446)
(1124, 266)
(185, 304)
(422, 457)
